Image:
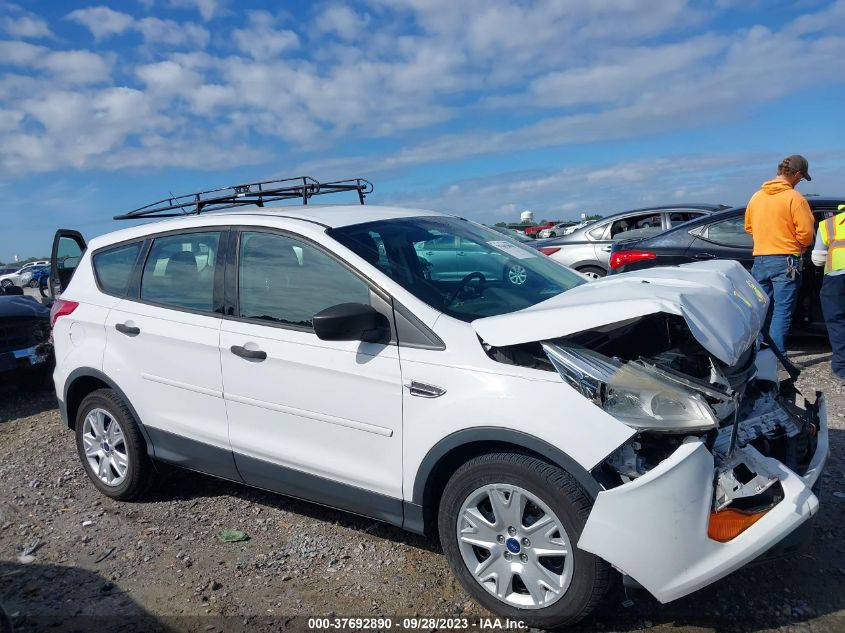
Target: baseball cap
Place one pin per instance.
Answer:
(796, 162)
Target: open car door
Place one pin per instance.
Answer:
(68, 247)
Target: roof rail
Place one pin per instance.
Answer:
(257, 193)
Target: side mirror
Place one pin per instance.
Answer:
(351, 322)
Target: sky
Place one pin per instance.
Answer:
(483, 108)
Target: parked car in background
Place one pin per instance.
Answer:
(534, 231)
(13, 279)
(722, 236)
(37, 274)
(557, 229)
(587, 249)
(451, 258)
(26, 350)
(519, 236)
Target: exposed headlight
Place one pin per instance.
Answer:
(632, 394)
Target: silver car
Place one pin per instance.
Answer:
(587, 249)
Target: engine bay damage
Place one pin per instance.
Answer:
(652, 374)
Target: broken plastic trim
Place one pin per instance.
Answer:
(642, 398)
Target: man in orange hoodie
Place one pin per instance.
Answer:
(781, 224)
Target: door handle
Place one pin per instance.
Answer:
(429, 252)
(704, 256)
(249, 354)
(129, 330)
(606, 249)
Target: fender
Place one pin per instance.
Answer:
(414, 510)
(90, 372)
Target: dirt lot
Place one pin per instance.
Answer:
(157, 564)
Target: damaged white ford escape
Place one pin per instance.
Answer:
(429, 372)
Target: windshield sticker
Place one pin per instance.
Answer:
(511, 249)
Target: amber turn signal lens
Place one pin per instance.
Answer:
(728, 524)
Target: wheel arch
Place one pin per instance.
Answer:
(445, 457)
(85, 380)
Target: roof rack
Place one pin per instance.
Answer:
(257, 193)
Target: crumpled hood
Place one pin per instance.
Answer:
(773, 187)
(721, 303)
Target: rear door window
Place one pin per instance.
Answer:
(729, 233)
(114, 266)
(179, 271)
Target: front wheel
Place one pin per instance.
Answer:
(508, 525)
(6, 283)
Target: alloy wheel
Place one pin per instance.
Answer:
(517, 274)
(105, 447)
(515, 546)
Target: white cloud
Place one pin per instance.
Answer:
(260, 40)
(158, 31)
(102, 21)
(76, 67)
(26, 26)
(20, 53)
(207, 8)
(342, 21)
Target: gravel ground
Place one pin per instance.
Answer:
(157, 564)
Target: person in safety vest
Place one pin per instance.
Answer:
(829, 251)
(781, 225)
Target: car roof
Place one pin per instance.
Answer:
(328, 216)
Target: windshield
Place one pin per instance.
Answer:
(461, 268)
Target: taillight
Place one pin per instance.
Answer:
(549, 250)
(728, 524)
(623, 258)
(61, 307)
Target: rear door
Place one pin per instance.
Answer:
(725, 239)
(163, 347)
(68, 247)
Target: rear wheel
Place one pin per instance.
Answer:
(111, 447)
(33, 283)
(508, 526)
(593, 272)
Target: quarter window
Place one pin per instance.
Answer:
(113, 267)
(179, 271)
(287, 281)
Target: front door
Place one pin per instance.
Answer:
(320, 420)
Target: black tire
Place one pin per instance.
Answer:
(592, 271)
(558, 490)
(139, 470)
(6, 283)
(33, 283)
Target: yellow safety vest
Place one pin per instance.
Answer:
(833, 235)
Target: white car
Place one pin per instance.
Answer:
(544, 432)
(22, 276)
(556, 230)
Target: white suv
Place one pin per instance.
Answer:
(545, 432)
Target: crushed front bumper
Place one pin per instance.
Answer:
(654, 528)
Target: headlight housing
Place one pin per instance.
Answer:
(631, 393)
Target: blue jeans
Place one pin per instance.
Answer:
(770, 273)
(833, 308)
